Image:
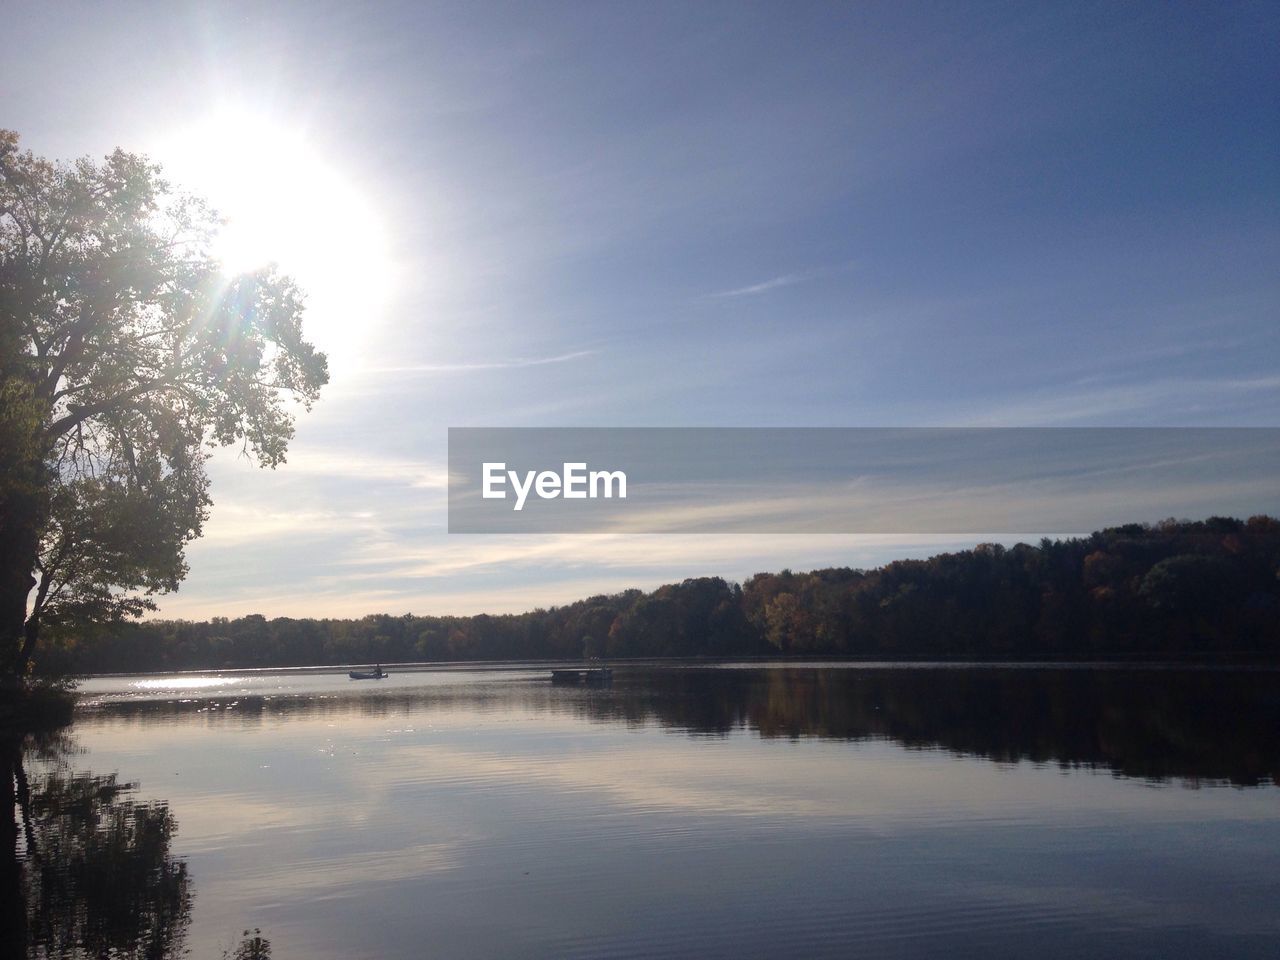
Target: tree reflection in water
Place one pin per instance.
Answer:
(1197, 726)
(87, 868)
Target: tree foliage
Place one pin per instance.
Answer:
(126, 353)
(1204, 589)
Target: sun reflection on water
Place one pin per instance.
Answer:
(182, 683)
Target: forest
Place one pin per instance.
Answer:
(1188, 590)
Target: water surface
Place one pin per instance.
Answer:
(748, 811)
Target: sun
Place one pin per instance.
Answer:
(285, 201)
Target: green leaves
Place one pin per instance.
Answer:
(125, 351)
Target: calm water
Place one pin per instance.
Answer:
(695, 812)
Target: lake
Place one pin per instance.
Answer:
(825, 810)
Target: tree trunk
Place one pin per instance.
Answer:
(30, 633)
(18, 552)
(24, 507)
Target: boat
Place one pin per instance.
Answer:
(596, 676)
(369, 674)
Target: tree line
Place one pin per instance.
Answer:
(1182, 589)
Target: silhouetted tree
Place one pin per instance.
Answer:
(124, 351)
(1193, 589)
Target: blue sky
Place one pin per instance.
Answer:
(781, 214)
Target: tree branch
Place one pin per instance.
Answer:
(81, 414)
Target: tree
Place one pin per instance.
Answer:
(125, 352)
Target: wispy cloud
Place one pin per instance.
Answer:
(509, 364)
(364, 466)
(423, 572)
(786, 280)
(1169, 401)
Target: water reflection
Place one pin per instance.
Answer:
(722, 813)
(184, 683)
(87, 868)
(1198, 726)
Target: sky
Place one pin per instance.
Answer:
(676, 214)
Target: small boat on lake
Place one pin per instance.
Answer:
(377, 674)
(597, 676)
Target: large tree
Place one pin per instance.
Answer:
(125, 352)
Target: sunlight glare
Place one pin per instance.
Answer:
(284, 202)
(184, 683)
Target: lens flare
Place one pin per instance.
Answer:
(286, 201)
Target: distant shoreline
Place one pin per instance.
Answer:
(1234, 662)
(1180, 591)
